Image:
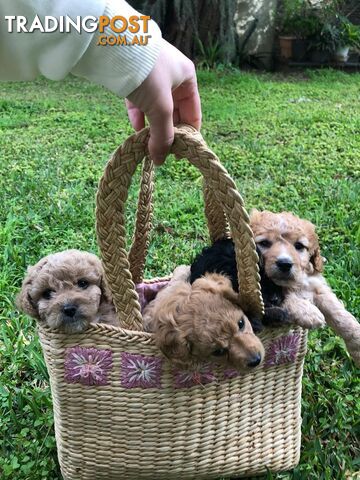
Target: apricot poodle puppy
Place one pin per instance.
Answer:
(67, 291)
(290, 249)
(202, 322)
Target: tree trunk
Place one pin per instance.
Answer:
(186, 22)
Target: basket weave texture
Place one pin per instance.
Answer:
(131, 415)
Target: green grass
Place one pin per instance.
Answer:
(290, 143)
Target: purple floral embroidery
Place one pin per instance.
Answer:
(186, 379)
(89, 366)
(282, 350)
(140, 371)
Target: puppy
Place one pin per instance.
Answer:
(67, 290)
(292, 259)
(220, 258)
(202, 322)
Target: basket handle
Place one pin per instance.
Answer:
(223, 202)
(140, 243)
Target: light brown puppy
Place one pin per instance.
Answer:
(292, 259)
(202, 322)
(67, 290)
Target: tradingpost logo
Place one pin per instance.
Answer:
(112, 30)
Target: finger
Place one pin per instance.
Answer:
(187, 101)
(136, 116)
(161, 131)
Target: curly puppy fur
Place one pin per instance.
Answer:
(67, 291)
(292, 259)
(291, 255)
(220, 258)
(202, 322)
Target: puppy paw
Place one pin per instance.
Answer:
(309, 316)
(181, 273)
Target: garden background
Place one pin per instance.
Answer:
(290, 143)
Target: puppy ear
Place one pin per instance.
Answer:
(254, 215)
(25, 304)
(317, 260)
(106, 296)
(315, 255)
(23, 301)
(167, 306)
(173, 344)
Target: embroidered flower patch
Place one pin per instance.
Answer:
(140, 371)
(186, 379)
(88, 366)
(282, 350)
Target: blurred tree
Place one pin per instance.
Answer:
(196, 26)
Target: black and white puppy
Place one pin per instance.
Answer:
(220, 258)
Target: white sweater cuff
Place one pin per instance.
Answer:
(120, 68)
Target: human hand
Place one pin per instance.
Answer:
(168, 96)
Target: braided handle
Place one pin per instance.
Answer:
(140, 243)
(220, 190)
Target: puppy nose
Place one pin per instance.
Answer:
(69, 309)
(284, 264)
(255, 361)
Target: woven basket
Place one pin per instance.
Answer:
(135, 417)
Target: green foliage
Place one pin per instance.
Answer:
(209, 53)
(298, 18)
(321, 22)
(336, 31)
(327, 39)
(349, 34)
(291, 143)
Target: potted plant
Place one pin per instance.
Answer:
(349, 37)
(298, 21)
(288, 26)
(323, 44)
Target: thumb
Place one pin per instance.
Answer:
(161, 130)
(135, 115)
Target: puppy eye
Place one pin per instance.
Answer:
(220, 352)
(265, 243)
(241, 324)
(47, 293)
(299, 246)
(83, 283)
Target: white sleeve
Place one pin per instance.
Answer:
(120, 68)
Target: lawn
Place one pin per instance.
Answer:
(290, 143)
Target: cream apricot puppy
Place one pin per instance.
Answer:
(67, 291)
(292, 259)
(202, 321)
